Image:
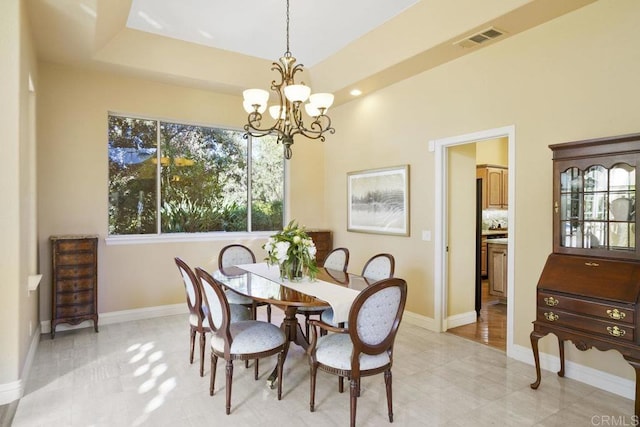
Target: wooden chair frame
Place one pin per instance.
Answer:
(253, 306)
(359, 347)
(223, 331)
(195, 308)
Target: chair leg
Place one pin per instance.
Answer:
(355, 386)
(306, 324)
(192, 341)
(203, 340)
(229, 381)
(313, 370)
(340, 384)
(255, 371)
(387, 382)
(280, 363)
(254, 311)
(214, 363)
(269, 313)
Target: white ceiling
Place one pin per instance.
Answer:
(317, 29)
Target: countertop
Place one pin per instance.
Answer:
(499, 241)
(493, 232)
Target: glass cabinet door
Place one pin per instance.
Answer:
(596, 209)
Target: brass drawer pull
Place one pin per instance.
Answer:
(551, 301)
(591, 264)
(551, 316)
(616, 314)
(616, 331)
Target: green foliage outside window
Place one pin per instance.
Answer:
(201, 176)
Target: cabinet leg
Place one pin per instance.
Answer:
(561, 348)
(535, 336)
(636, 366)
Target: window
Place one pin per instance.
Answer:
(167, 177)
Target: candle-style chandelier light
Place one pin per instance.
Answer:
(287, 113)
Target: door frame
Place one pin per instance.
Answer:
(440, 146)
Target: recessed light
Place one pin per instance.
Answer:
(356, 92)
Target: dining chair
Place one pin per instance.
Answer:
(244, 340)
(378, 267)
(337, 259)
(363, 350)
(198, 321)
(236, 254)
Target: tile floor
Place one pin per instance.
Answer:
(137, 374)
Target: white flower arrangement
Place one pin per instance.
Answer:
(294, 251)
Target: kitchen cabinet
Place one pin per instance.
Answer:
(324, 244)
(589, 288)
(495, 183)
(487, 237)
(74, 295)
(497, 267)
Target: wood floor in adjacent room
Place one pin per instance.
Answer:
(491, 327)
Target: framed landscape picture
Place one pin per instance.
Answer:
(378, 201)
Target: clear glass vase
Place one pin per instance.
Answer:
(291, 270)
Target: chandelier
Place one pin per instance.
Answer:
(288, 112)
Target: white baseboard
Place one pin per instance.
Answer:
(420, 321)
(15, 389)
(121, 316)
(461, 319)
(602, 380)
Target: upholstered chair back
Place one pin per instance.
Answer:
(376, 314)
(214, 298)
(194, 298)
(337, 259)
(235, 254)
(380, 266)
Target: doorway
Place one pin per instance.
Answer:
(445, 233)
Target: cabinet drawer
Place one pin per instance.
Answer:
(72, 285)
(66, 298)
(611, 312)
(74, 310)
(75, 258)
(615, 330)
(74, 272)
(75, 245)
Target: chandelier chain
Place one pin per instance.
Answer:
(288, 51)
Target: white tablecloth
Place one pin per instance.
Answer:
(339, 297)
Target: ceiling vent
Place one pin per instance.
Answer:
(483, 36)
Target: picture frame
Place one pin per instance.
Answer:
(378, 201)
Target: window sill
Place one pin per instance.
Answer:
(185, 237)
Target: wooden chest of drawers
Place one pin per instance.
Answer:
(324, 244)
(74, 293)
(591, 302)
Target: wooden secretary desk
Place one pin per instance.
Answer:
(589, 289)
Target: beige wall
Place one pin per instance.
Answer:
(72, 127)
(18, 308)
(493, 152)
(573, 78)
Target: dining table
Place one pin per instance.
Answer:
(262, 283)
